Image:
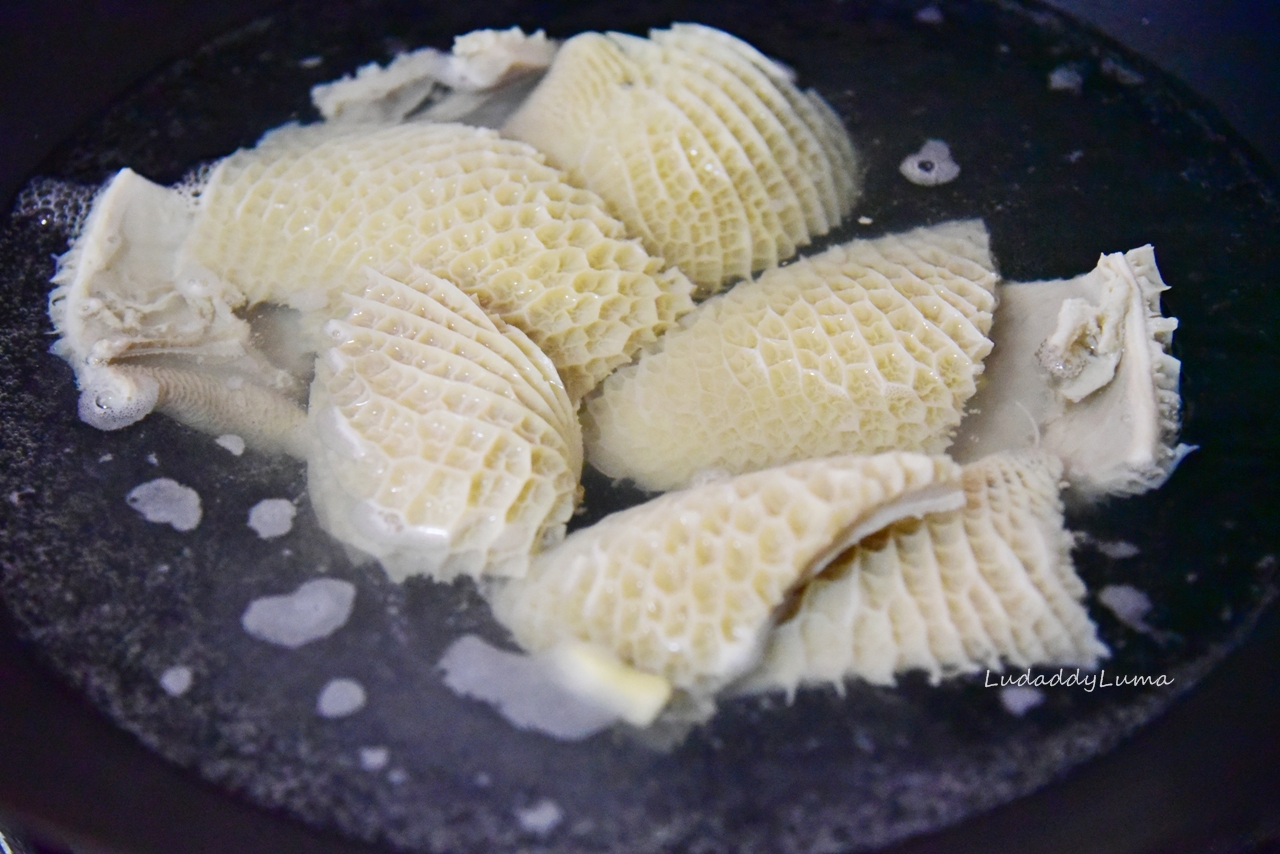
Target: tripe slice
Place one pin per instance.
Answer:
(292, 219)
(146, 329)
(687, 586)
(686, 138)
(426, 461)
(1081, 369)
(871, 346)
(988, 585)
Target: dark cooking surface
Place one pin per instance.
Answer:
(82, 571)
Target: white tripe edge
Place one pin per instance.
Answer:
(479, 61)
(737, 658)
(911, 505)
(1073, 356)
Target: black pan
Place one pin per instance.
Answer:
(83, 582)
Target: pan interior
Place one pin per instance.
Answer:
(147, 620)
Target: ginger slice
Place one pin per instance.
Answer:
(291, 220)
(980, 587)
(874, 345)
(426, 460)
(687, 586)
(1081, 369)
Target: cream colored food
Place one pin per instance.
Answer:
(463, 297)
(435, 463)
(871, 346)
(1082, 370)
(687, 586)
(953, 592)
(702, 146)
(290, 220)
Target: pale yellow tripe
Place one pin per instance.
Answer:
(292, 219)
(432, 456)
(1082, 369)
(985, 586)
(704, 147)
(686, 586)
(873, 345)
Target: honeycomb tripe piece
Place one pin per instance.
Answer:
(1081, 369)
(630, 143)
(146, 330)
(428, 461)
(826, 152)
(687, 586)
(955, 592)
(871, 346)
(435, 312)
(292, 219)
(749, 225)
(720, 167)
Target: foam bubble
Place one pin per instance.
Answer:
(272, 517)
(232, 443)
(1018, 700)
(315, 610)
(176, 680)
(60, 205)
(522, 689)
(165, 501)
(1066, 78)
(931, 165)
(339, 698)
(374, 758)
(1129, 604)
(541, 818)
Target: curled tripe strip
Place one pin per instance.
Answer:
(989, 584)
(687, 586)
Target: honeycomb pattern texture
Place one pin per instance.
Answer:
(871, 346)
(687, 585)
(699, 143)
(434, 458)
(956, 592)
(290, 220)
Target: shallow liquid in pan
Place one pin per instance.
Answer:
(123, 608)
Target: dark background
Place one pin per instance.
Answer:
(1205, 778)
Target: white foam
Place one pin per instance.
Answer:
(931, 165)
(1066, 78)
(541, 818)
(167, 502)
(55, 204)
(374, 758)
(339, 698)
(1018, 700)
(176, 680)
(315, 610)
(1129, 604)
(930, 15)
(272, 517)
(522, 689)
(1118, 549)
(232, 443)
